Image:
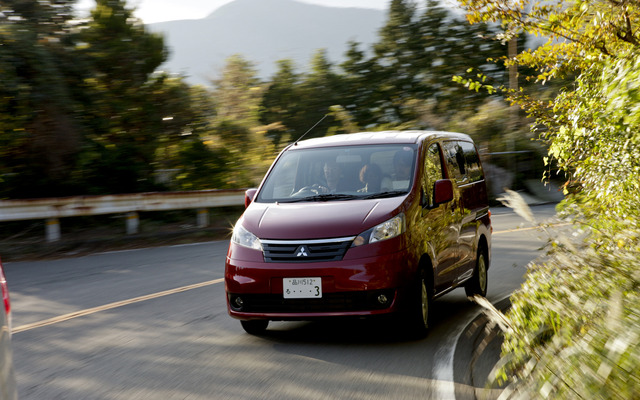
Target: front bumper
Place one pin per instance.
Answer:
(353, 286)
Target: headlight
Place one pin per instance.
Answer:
(244, 238)
(386, 230)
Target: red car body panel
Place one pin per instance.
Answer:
(324, 220)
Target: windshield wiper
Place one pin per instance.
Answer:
(383, 195)
(323, 197)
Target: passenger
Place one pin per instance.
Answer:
(371, 176)
(402, 161)
(402, 164)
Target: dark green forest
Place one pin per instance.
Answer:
(84, 109)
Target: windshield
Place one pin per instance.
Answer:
(340, 173)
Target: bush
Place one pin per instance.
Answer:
(573, 330)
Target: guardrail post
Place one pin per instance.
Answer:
(203, 218)
(53, 230)
(132, 223)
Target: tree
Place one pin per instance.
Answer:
(398, 53)
(299, 102)
(321, 89)
(238, 92)
(573, 331)
(238, 95)
(281, 104)
(407, 83)
(576, 46)
(185, 158)
(45, 19)
(451, 46)
(120, 111)
(359, 94)
(39, 131)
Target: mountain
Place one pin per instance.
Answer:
(263, 32)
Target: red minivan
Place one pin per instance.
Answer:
(359, 225)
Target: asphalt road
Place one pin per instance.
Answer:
(152, 324)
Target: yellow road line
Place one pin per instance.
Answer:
(528, 228)
(111, 306)
(122, 303)
(514, 230)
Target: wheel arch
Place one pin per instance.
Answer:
(483, 245)
(426, 265)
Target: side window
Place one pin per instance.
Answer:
(472, 161)
(454, 156)
(432, 170)
(463, 162)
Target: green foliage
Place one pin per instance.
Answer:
(239, 94)
(321, 89)
(122, 114)
(296, 102)
(39, 134)
(600, 142)
(281, 103)
(574, 327)
(413, 65)
(203, 166)
(360, 97)
(83, 110)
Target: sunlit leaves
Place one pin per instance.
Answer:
(236, 127)
(575, 326)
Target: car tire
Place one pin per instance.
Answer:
(477, 285)
(420, 307)
(255, 326)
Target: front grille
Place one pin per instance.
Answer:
(290, 251)
(330, 302)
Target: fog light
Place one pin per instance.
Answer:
(238, 302)
(382, 299)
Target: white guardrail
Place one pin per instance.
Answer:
(52, 209)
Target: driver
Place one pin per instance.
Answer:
(333, 182)
(332, 175)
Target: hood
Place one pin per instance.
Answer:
(317, 220)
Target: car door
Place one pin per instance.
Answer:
(439, 230)
(474, 203)
(459, 216)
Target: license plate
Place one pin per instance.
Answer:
(302, 288)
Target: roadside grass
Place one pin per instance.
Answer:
(573, 330)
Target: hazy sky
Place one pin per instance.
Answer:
(151, 11)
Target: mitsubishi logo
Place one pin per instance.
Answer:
(302, 251)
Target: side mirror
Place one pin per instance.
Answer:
(248, 196)
(443, 189)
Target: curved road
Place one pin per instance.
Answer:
(152, 324)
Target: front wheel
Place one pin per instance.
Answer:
(255, 326)
(420, 308)
(477, 285)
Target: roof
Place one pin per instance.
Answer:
(383, 137)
